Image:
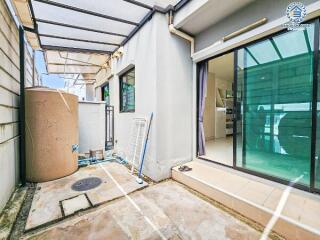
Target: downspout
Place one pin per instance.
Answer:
(179, 33)
(22, 145)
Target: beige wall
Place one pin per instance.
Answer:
(29, 74)
(213, 127)
(9, 105)
(209, 111)
(9, 100)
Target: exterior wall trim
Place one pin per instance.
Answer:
(262, 31)
(125, 69)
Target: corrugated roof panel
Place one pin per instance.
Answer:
(61, 69)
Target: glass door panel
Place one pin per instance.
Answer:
(274, 105)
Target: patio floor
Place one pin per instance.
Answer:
(256, 198)
(122, 209)
(163, 211)
(56, 199)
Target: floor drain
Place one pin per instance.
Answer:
(86, 184)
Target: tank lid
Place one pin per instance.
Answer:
(47, 89)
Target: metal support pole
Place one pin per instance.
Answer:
(314, 153)
(22, 146)
(33, 68)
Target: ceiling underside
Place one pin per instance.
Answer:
(80, 36)
(201, 14)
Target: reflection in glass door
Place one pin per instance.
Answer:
(274, 105)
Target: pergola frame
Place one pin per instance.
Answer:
(138, 25)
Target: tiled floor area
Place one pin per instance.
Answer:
(255, 198)
(163, 211)
(51, 196)
(220, 150)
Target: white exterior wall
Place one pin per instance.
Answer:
(174, 100)
(9, 105)
(97, 94)
(90, 92)
(140, 52)
(163, 85)
(91, 126)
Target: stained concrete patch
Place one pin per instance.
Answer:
(163, 211)
(196, 218)
(10, 212)
(45, 206)
(143, 219)
(75, 204)
(99, 225)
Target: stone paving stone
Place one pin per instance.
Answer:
(163, 211)
(45, 206)
(75, 204)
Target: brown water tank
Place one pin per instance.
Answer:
(51, 134)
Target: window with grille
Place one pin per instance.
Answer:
(127, 91)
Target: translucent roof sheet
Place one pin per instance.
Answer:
(72, 63)
(84, 58)
(112, 8)
(73, 33)
(101, 25)
(76, 44)
(61, 69)
(58, 14)
(161, 3)
(86, 76)
(76, 33)
(82, 25)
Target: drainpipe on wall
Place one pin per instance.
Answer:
(179, 33)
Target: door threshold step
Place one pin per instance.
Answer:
(255, 198)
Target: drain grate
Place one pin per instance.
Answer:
(86, 184)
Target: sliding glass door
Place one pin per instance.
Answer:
(274, 93)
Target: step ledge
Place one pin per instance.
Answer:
(267, 210)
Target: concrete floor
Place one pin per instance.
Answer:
(256, 198)
(163, 211)
(220, 150)
(50, 196)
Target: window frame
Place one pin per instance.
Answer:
(102, 92)
(120, 91)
